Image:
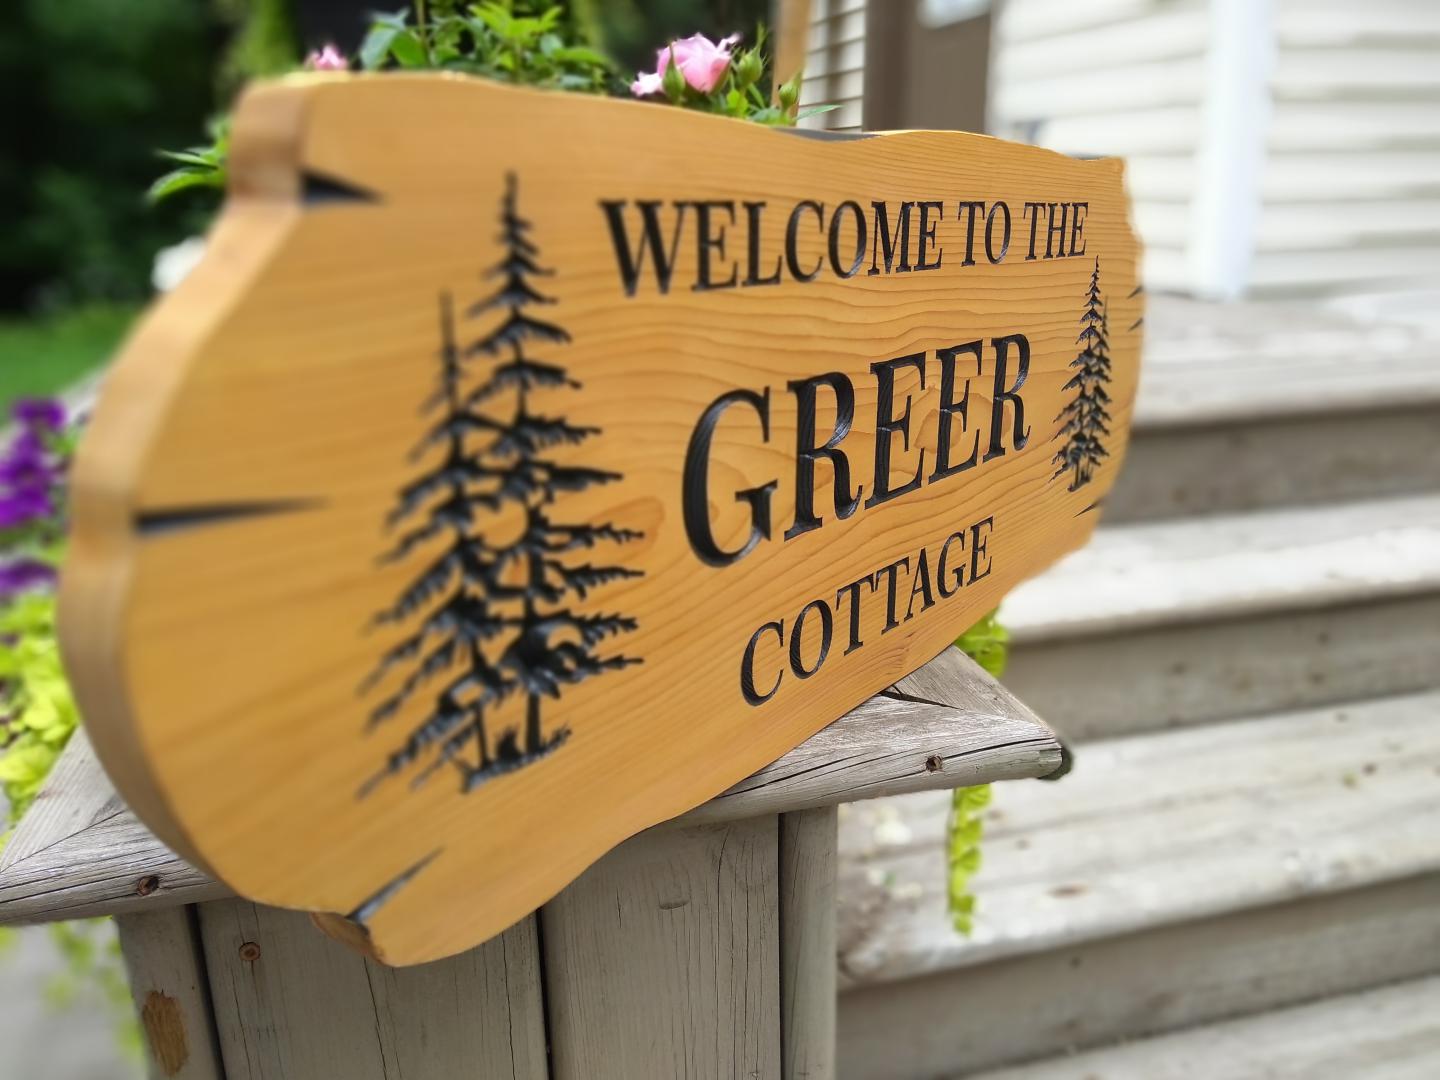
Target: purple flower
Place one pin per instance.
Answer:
(28, 473)
(24, 507)
(24, 574)
(40, 413)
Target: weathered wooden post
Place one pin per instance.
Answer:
(511, 547)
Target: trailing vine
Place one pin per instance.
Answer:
(988, 644)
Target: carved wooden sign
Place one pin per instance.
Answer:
(520, 470)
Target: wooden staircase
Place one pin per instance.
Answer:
(1243, 870)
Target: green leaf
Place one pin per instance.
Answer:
(987, 643)
(408, 50)
(375, 49)
(583, 54)
(202, 156)
(495, 17)
(180, 179)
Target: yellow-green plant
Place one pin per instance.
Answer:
(988, 644)
(37, 711)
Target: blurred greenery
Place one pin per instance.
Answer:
(632, 31)
(93, 86)
(45, 355)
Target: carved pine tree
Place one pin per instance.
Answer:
(505, 627)
(1086, 417)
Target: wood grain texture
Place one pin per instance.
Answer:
(77, 864)
(80, 851)
(1389, 1033)
(293, 1005)
(1161, 828)
(958, 1022)
(165, 963)
(808, 867)
(663, 959)
(233, 491)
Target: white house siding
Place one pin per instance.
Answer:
(1275, 146)
(1351, 185)
(835, 64)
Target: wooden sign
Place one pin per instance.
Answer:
(519, 470)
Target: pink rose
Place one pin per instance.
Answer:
(327, 59)
(700, 60)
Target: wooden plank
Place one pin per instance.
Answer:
(75, 797)
(79, 851)
(1153, 830)
(946, 725)
(955, 717)
(164, 959)
(1389, 1033)
(808, 866)
(274, 562)
(294, 1005)
(1176, 976)
(663, 959)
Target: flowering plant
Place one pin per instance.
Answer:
(524, 42)
(711, 76)
(37, 712)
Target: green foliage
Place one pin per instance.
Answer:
(39, 709)
(94, 967)
(265, 41)
(500, 39)
(199, 166)
(741, 93)
(962, 847)
(988, 644)
(524, 42)
(90, 86)
(45, 355)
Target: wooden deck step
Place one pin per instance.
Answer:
(1151, 830)
(1170, 879)
(1165, 623)
(1225, 421)
(1390, 1033)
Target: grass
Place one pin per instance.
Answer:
(47, 356)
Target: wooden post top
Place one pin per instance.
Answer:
(80, 852)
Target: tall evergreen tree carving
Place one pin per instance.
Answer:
(1086, 417)
(490, 612)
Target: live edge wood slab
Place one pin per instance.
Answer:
(520, 470)
(80, 852)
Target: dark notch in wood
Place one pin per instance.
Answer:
(317, 189)
(151, 523)
(900, 695)
(825, 136)
(1096, 505)
(373, 903)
